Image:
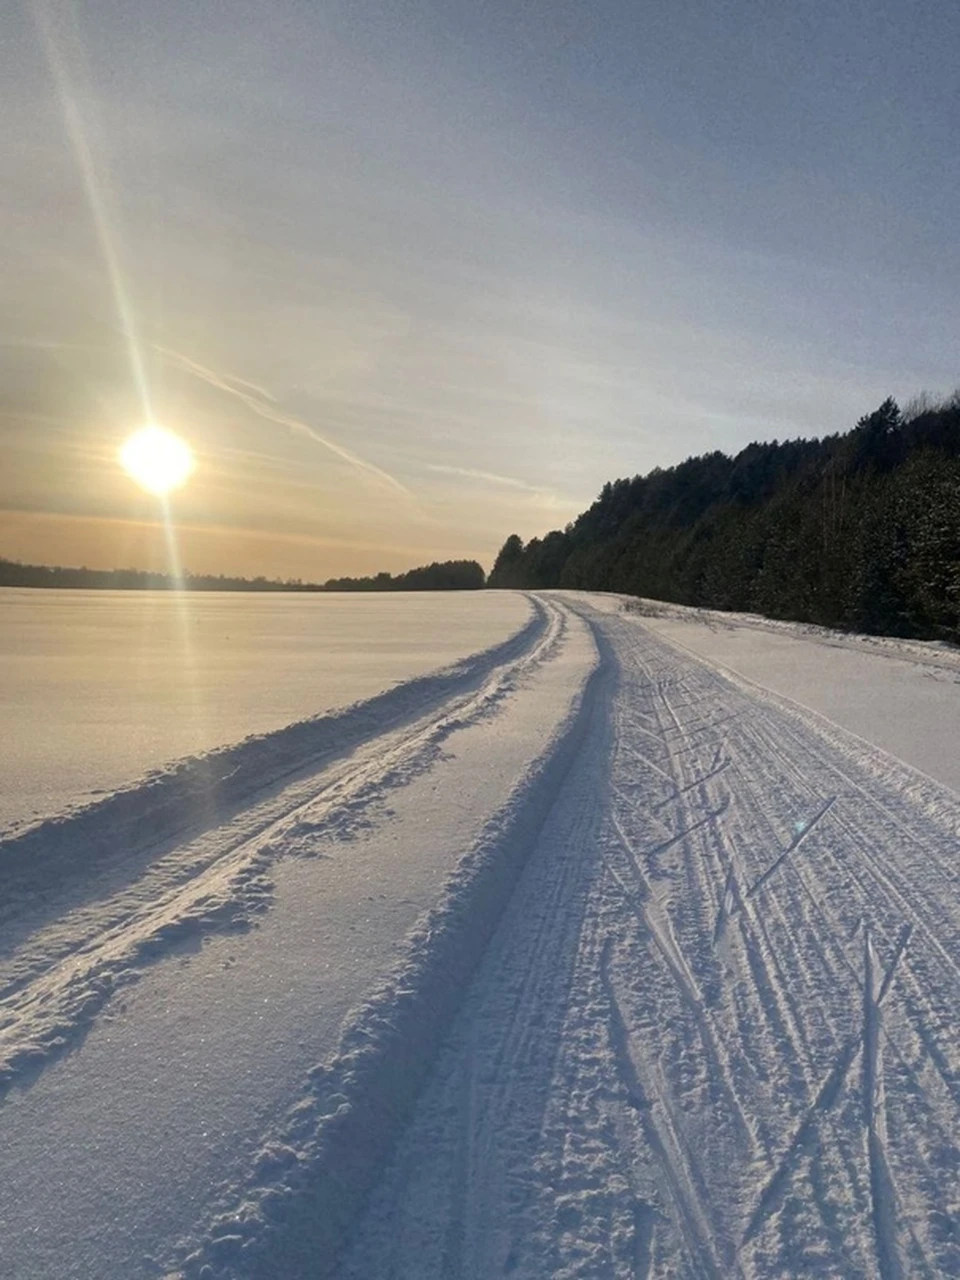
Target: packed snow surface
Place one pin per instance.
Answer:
(899, 694)
(585, 957)
(100, 687)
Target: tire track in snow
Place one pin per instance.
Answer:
(624, 1156)
(174, 804)
(346, 1125)
(644, 1221)
(473, 1250)
(60, 985)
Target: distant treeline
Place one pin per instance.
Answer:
(450, 575)
(15, 574)
(858, 531)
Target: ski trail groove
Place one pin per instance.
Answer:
(57, 985)
(678, 1187)
(358, 1100)
(735, 1012)
(794, 844)
(688, 1010)
(882, 1191)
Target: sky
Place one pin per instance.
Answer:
(410, 276)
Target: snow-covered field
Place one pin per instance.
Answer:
(585, 957)
(100, 687)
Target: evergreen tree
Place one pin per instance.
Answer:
(508, 568)
(857, 530)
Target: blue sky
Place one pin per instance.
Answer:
(412, 276)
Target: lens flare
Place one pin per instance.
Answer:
(157, 459)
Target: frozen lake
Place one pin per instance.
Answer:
(101, 686)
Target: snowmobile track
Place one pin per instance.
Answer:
(769, 956)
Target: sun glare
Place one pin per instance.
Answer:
(157, 459)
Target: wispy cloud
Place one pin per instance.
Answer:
(538, 496)
(261, 402)
(489, 477)
(217, 377)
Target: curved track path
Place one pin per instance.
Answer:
(589, 959)
(716, 1035)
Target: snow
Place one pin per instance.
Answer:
(714, 1035)
(179, 1067)
(900, 695)
(586, 957)
(100, 687)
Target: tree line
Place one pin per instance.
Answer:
(451, 575)
(13, 573)
(448, 575)
(859, 531)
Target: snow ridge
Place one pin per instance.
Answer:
(715, 1034)
(199, 792)
(671, 972)
(311, 1177)
(72, 960)
(930, 653)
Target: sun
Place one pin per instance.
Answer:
(157, 459)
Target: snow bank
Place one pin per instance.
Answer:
(933, 653)
(203, 791)
(902, 696)
(311, 1177)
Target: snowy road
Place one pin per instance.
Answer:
(717, 1034)
(690, 954)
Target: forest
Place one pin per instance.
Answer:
(447, 575)
(450, 575)
(13, 573)
(859, 531)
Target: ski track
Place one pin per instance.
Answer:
(745, 1062)
(711, 1031)
(60, 963)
